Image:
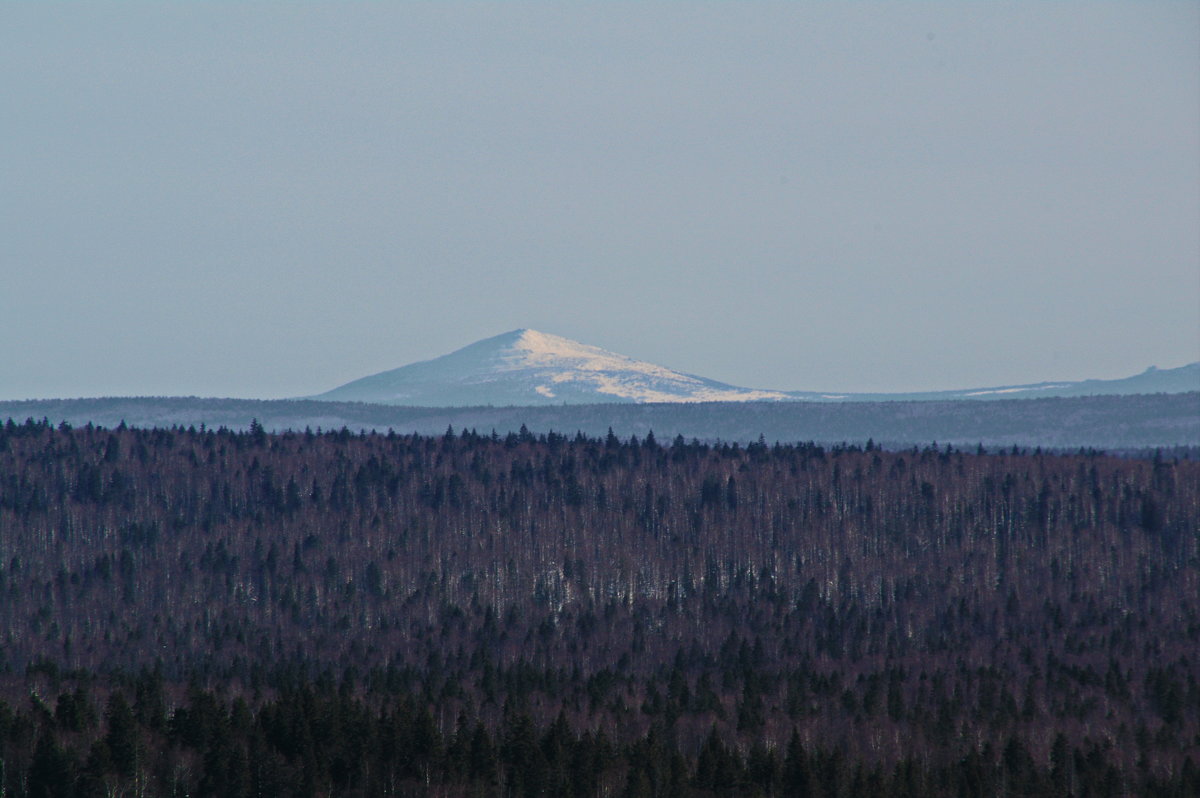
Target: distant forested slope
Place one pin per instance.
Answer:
(221, 613)
(1104, 422)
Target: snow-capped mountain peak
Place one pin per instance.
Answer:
(526, 367)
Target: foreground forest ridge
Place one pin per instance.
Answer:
(200, 612)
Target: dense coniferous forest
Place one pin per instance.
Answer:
(1112, 423)
(209, 612)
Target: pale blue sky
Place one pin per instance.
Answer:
(269, 200)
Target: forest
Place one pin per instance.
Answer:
(218, 612)
(1113, 423)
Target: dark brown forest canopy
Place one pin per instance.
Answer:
(725, 618)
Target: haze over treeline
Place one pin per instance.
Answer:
(229, 613)
(1119, 423)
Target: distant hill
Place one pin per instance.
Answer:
(527, 367)
(546, 382)
(1183, 379)
(530, 368)
(1103, 422)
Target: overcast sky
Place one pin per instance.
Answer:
(269, 200)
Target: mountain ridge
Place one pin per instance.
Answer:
(525, 367)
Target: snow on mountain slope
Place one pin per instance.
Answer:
(527, 367)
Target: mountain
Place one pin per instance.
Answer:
(526, 367)
(1184, 379)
